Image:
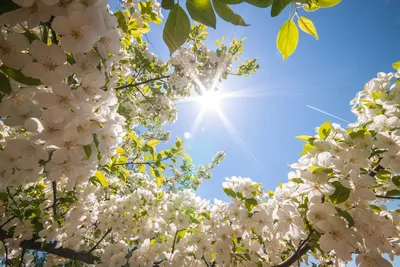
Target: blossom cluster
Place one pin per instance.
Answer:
(72, 114)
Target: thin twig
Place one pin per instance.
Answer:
(6, 249)
(173, 244)
(301, 250)
(22, 257)
(140, 83)
(54, 185)
(53, 33)
(9, 220)
(380, 196)
(12, 198)
(98, 242)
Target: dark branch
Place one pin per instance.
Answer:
(104, 236)
(380, 196)
(6, 250)
(54, 185)
(62, 252)
(140, 83)
(32, 244)
(22, 257)
(53, 33)
(9, 220)
(300, 252)
(173, 244)
(11, 196)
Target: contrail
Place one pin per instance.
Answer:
(329, 114)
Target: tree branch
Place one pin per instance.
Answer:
(22, 257)
(300, 252)
(380, 196)
(173, 244)
(54, 185)
(53, 33)
(6, 250)
(67, 253)
(11, 196)
(140, 83)
(9, 220)
(98, 242)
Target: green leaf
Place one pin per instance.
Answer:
(250, 203)
(260, 3)
(375, 208)
(88, 150)
(307, 26)
(231, 2)
(226, 13)
(396, 181)
(159, 180)
(393, 193)
(341, 193)
(206, 215)
(202, 11)
(101, 178)
(7, 6)
(327, 3)
(177, 28)
(383, 175)
(346, 216)
(153, 143)
(304, 138)
(17, 75)
(278, 6)
(324, 130)
(5, 87)
(30, 36)
(396, 65)
(142, 168)
(182, 233)
(288, 38)
(310, 7)
(122, 24)
(297, 180)
(167, 4)
(187, 157)
(307, 148)
(229, 192)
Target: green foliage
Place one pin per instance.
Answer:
(341, 193)
(327, 3)
(19, 77)
(260, 3)
(324, 130)
(393, 193)
(7, 6)
(278, 6)
(248, 67)
(396, 65)
(167, 4)
(345, 215)
(288, 38)
(227, 14)
(177, 28)
(5, 87)
(202, 11)
(307, 26)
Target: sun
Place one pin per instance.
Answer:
(210, 100)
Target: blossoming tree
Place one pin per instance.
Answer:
(82, 181)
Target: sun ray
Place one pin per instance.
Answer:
(235, 135)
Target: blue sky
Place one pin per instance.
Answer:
(357, 40)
